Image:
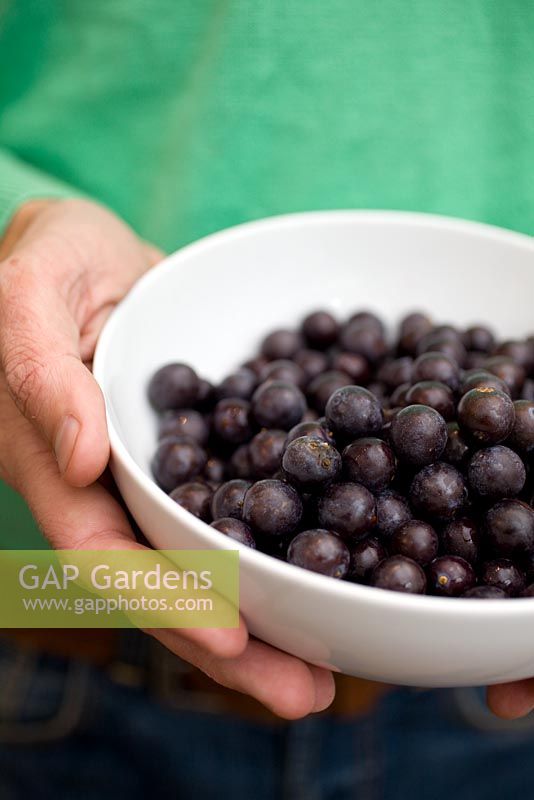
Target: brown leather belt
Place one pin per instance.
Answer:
(146, 664)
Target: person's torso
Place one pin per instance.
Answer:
(186, 117)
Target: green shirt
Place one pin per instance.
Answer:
(188, 116)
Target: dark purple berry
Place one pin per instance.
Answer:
(320, 329)
(215, 470)
(310, 463)
(482, 379)
(206, 397)
(457, 450)
(389, 416)
(461, 537)
(348, 509)
(352, 412)
(448, 345)
(510, 528)
(239, 384)
(231, 420)
(450, 576)
(272, 508)
(370, 462)
(520, 351)
(366, 340)
(411, 330)
(353, 365)
(474, 360)
(324, 425)
(399, 574)
(369, 319)
(526, 562)
(395, 372)
(418, 435)
(282, 343)
(228, 499)
(508, 371)
(448, 331)
(486, 415)
(185, 422)
(195, 497)
(265, 452)
(276, 404)
(320, 551)
(311, 362)
(285, 371)
(323, 386)
(257, 365)
(275, 546)
(392, 510)
(436, 367)
(496, 472)
(379, 390)
(398, 396)
(485, 593)
(365, 555)
(313, 429)
(433, 394)
(479, 338)
(522, 435)
(173, 386)
(416, 540)
(235, 529)
(438, 491)
(503, 574)
(527, 392)
(239, 465)
(177, 459)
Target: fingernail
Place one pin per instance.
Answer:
(66, 441)
(322, 705)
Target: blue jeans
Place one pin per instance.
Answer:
(70, 732)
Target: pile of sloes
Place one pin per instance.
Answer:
(406, 465)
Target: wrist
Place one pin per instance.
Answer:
(20, 222)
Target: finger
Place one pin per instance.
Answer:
(91, 331)
(39, 355)
(89, 519)
(154, 254)
(511, 700)
(325, 688)
(285, 685)
(93, 326)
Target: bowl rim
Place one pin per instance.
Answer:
(461, 608)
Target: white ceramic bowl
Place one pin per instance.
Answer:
(209, 304)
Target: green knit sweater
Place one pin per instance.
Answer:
(187, 116)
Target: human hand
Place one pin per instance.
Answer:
(63, 267)
(512, 700)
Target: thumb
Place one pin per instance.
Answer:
(40, 358)
(153, 254)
